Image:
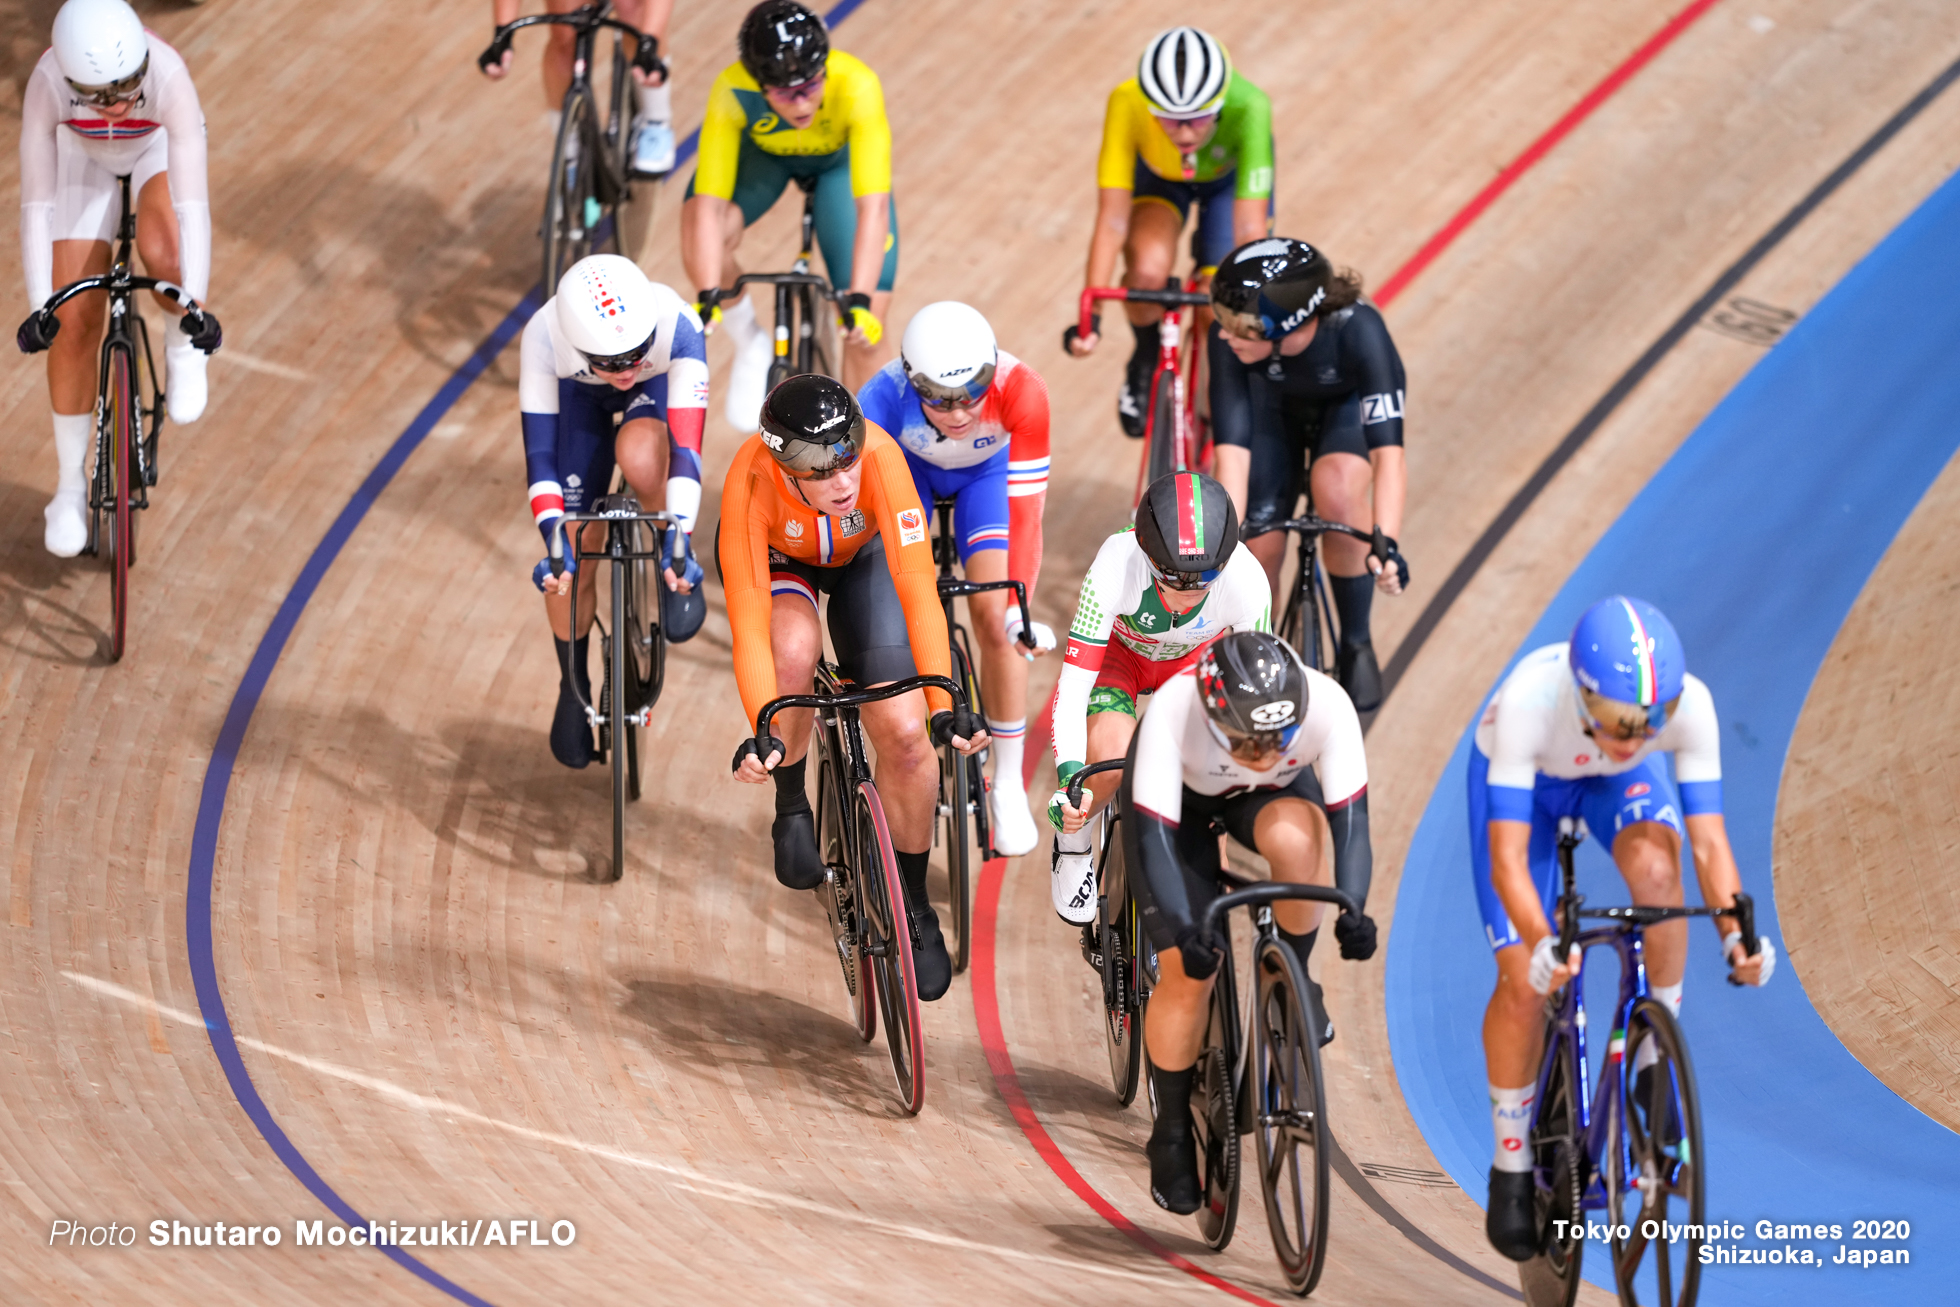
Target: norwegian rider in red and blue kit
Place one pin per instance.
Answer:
(1578, 729)
(1303, 374)
(612, 369)
(973, 421)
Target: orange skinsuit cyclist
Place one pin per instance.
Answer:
(822, 502)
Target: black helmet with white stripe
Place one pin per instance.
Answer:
(1184, 73)
(1254, 689)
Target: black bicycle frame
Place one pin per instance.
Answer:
(1310, 587)
(1595, 1110)
(616, 550)
(858, 767)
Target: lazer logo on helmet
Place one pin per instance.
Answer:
(830, 422)
(1272, 715)
(772, 440)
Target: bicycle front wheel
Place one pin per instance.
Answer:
(1121, 972)
(888, 933)
(1291, 1117)
(114, 476)
(618, 721)
(1655, 1180)
(571, 208)
(836, 841)
(1162, 456)
(1214, 1106)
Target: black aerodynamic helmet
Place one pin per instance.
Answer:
(812, 426)
(783, 43)
(1254, 690)
(1188, 529)
(1268, 287)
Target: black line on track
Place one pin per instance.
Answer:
(1472, 562)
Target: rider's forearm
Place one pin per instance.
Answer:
(1391, 488)
(1112, 228)
(1354, 855)
(1248, 220)
(1714, 864)
(503, 11)
(654, 15)
(704, 226)
(868, 249)
(1510, 876)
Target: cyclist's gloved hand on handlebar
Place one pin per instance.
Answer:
(681, 611)
(1747, 968)
(1546, 973)
(754, 767)
(1041, 636)
(1061, 815)
(541, 574)
(1200, 959)
(38, 332)
(950, 724)
(495, 61)
(1356, 935)
(1386, 562)
(688, 575)
(1075, 343)
(647, 62)
(857, 317)
(203, 329)
(707, 305)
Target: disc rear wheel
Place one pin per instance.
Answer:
(1551, 1279)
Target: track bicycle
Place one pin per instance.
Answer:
(806, 333)
(590, 175)
(1632, 1147)
(1266, 1082)
(1175, 438)
(962, 777)
(862, 892)
(634, 649)
(1114, 944)
(1309, 622)
(127, 430)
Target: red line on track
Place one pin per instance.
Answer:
(986, 1003)
(1538, 149)
(986, 1013)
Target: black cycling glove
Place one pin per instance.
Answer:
(1357, 936)
(203, 329)
(961, 722)
(1385, 549)
(748, 750)
(646, 57)
(1200, 959)
(1073, 333)
(38, 332)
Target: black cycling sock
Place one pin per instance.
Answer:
(1302, 945)
(1173, 1092)
(1150, 339)
(912, 870)
(579, 659)
(1353, 597)
(791, 795)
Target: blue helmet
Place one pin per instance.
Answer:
(1627, 662)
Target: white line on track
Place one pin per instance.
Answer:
(252, 363)
(682, 1177)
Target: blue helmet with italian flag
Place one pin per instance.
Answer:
(1627, 663)
(1187, 528)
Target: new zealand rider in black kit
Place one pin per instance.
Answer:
(1303, 373)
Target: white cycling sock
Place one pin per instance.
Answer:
(1080, 842)
(1670, 995)
(1510, 1121)
(71, 433)
(1008, 739)
(738, 317)
(656, 102)
(553, 117)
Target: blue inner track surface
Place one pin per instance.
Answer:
(1755, 539)
(238, 718)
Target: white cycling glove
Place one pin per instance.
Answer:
(1544, 961)
(1044, 634)
(1732, 950)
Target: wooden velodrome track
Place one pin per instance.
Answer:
(446, 1018)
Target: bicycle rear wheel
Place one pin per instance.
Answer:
(1551, 1279)
(1162, 456)
(1121, 967)
(1291, 1118)
(571, 208)
(1655, 1182)
(836, 839)
(114, 479)
(888, 933)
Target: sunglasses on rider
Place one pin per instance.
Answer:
(1258, 745)
(944, 398)
(112, 93)
(617, 363)
(1176, 580)
(800, 91)
(1624, 721)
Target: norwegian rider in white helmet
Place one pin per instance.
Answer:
(107, 100)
